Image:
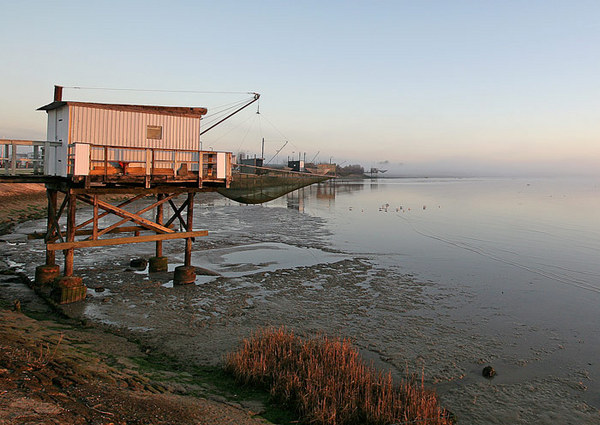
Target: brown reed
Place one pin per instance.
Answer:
(326, 381)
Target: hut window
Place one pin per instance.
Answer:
(154, 132)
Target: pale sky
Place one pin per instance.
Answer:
(455, 87)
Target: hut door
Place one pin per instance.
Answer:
(61, 135)
(221, 165)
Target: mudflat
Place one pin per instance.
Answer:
(277, 267)
(54, 370)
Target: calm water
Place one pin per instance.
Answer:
(547, 231)
(529, 247)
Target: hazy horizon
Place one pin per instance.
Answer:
(494, 88)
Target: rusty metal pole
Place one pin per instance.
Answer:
(190, 227)
(70, 253)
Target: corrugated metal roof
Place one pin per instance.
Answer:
(180, 111)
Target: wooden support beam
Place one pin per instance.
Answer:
(122, 204)
(128, 216)
(137, 213)
(159, 220)
(69, 252)
(54, 216)
(52, 196)
(122, 241)
(88, 232)
(95, 218)
(179, 189)
(177, 214)
(190, 226)
(8, 142)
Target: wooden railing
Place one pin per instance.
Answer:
(91, 159)
(26, 156)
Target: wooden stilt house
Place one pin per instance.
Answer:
(129, 144)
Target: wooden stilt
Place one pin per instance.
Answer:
(70, 253)
(187, 273)
(54, 216)
(159, 220)
(69, 288)
(158, 263)
(190, 226)
(52, 205)
(45, 274)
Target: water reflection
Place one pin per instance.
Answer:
(322, 193)
(476, 225)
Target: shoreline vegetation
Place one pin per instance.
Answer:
(326, 382)
(57, 370)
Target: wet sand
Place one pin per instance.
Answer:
(278, 268)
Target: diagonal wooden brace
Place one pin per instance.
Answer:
(128, 216)
(177, 214)
(122, 204)
(55, 227)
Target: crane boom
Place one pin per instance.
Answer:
(254, 99)
(279, 150)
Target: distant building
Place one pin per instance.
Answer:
(296, 165)
(253, 162)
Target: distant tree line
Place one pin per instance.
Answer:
(350, 170)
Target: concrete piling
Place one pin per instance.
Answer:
(46, 274)
(184, 275)
(158, 264)
(68, 289)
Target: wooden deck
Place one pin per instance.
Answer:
(89, 165)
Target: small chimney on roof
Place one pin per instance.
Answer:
(58, 93)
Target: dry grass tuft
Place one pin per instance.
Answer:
(326, 381)
(44, 356)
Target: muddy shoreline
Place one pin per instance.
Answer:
(397, 321)
(55, 370)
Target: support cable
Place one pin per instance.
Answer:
(215, 116)
(155, 90)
